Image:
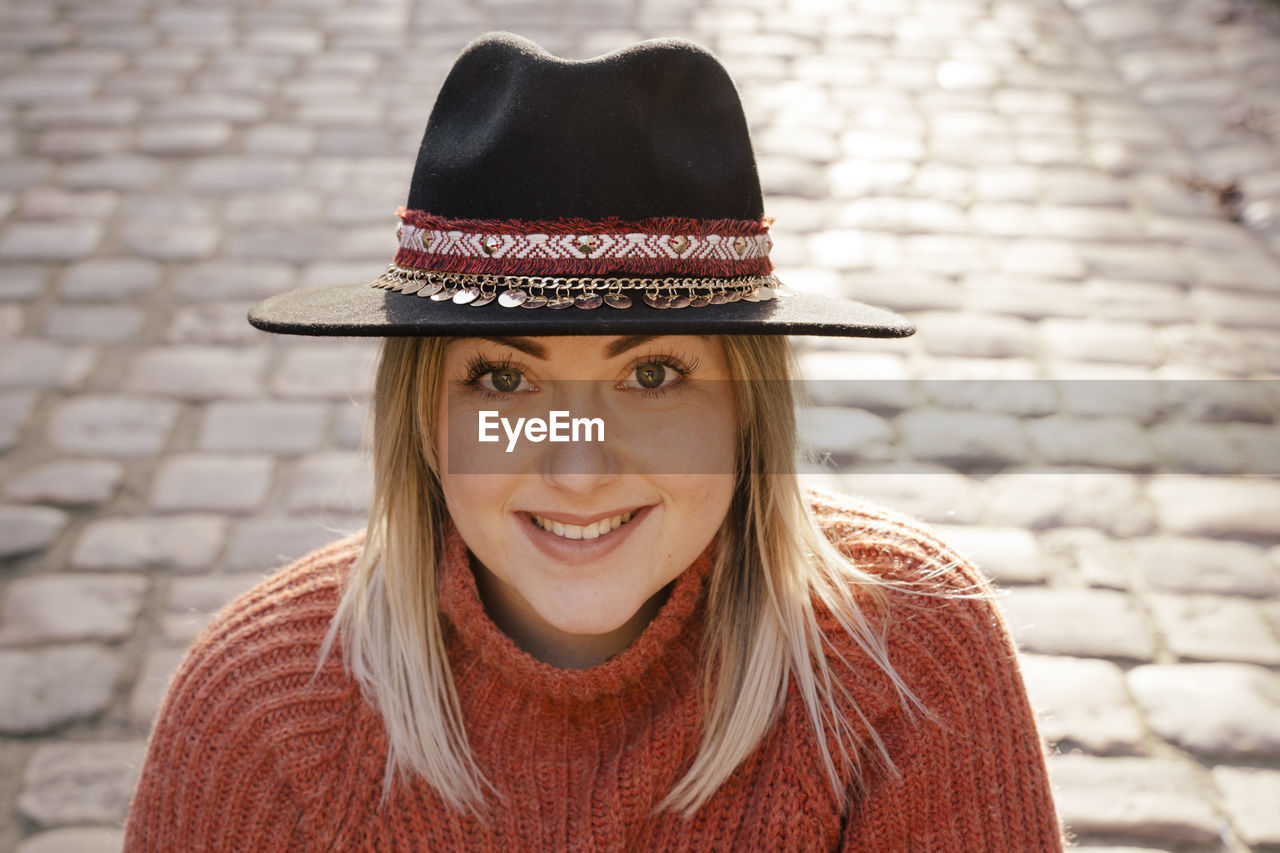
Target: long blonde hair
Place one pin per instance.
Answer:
(773, 567)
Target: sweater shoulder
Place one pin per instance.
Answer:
(931, 605)
(261, 652)
(892, 546)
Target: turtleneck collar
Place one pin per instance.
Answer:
(673, 633)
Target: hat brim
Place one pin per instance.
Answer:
(362, 310)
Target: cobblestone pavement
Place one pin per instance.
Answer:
(1087, 189)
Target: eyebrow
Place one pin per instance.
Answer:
(537, 350)
(621, 345)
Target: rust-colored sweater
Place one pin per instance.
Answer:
(250, 753)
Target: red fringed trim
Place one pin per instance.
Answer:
(693, 267)
(661, 225)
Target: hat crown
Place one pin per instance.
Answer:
(654, 130)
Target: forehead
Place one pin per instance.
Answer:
(599, 346)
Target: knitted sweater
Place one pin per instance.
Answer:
(251, 753)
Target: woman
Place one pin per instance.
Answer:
(644, 636)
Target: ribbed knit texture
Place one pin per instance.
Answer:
(250, 752)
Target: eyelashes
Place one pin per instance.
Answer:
(478, 375)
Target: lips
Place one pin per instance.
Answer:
(594, 530)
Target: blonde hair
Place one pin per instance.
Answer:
(773, 568)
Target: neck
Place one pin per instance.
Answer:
(558, 648)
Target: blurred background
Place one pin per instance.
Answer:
(1052, 189)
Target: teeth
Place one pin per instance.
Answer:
(591, 531)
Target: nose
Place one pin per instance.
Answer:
(580, 465)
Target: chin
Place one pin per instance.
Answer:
(588, 619)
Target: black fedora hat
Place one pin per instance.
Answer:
(622, 189)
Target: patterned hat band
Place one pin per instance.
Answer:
(669, 262)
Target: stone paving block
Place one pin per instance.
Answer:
(94, 324)
(1214, 709)
(232, 174)
(1025, 296)
(190, 137)
(1088, 554)
(1216, 506)
(57, 607)
(1077, 622)
(1258, 445)
(116, 426)
(15, 408)
(1249, 795)
(902, 215)
(170, 241)
(1083, 703)
(1088, 340)
(124, 172)
(1237, 270)
(108, 279)
(1239, 310)
(947, 254)
(77, 839)
(336, 481)
(158, 669)
(100, 111)
(181, 543)
(1221, 401)
(1092, 223)
(36, 363)
(1146, 302)
(1211, 627)
(193, 601)
(194, 372)
(168, 208)
(1027, 398)
(45, 688)
(1195, 448)
(847, 434)
(907, 290)
(66, 481)
(24, 529)
(350, 424)
(977, 335)
(1160, 800)
(1082, 187)
(263, 544)
(1064, 498)
(213, 323)
(67, 783)
(213, 482)
(81, 142)
(1004, 554)
(1184, 564)
(41, 241)
(210, 106)
(220, 280)
(279, 207)
(264, 426)
(1102, 442)
(342, 371)
(1132, 262)
(932, 493)
(11, 320)
(279, 139)
(1041, 258)
(21, 282)
(960, 438)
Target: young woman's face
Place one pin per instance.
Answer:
(575, 540)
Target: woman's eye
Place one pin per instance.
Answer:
(652, 376)
(504, 380)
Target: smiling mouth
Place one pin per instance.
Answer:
(591, 531)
